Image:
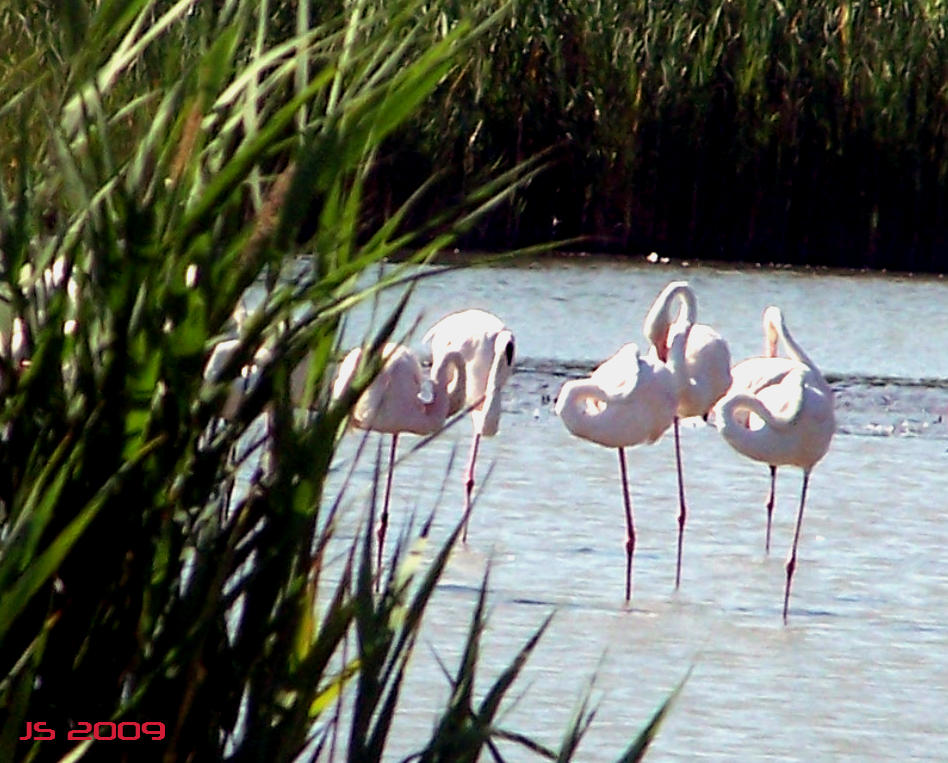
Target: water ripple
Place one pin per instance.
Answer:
(866, 405)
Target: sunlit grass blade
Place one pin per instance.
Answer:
(636, 751)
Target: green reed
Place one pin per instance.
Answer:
(160, 157)
(809, 132)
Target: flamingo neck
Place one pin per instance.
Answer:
(774, 328)
(571, 405)
(457, 389)
(658, 321)
(487, 419)
(742, 402)
(675, 361)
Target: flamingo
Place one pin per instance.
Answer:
(702, 375)
(780, 412)
(401, 399)
(757, 373)
(250, 373)
(487, 347)
(219, 358)
(628, 400)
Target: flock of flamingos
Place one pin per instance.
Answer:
(773, 409)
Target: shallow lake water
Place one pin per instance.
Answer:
(860, 672)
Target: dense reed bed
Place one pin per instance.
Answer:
(158, 159)
(798, 131)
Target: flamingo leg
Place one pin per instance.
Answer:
(682, 510)
(792, 559)
(383, 519)
(629, 525)
(770, 506)
(469, 483)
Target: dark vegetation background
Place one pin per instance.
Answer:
(797, 132)
(804, 132)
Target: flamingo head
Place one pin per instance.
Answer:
(504, 353)
(505, 344)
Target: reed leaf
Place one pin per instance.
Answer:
(168, 550)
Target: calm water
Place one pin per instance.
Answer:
(862, 670)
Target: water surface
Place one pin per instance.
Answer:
(862, 670)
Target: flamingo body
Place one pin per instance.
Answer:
(707, 371)
(754, 374)
(401, 398)
(788, 422)
(628, 400)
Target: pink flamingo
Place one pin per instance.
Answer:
(239, 388)
(757, 373)
(780, 412)
(487, 347)
(702, 371)
(401, 399)
(628, 400)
